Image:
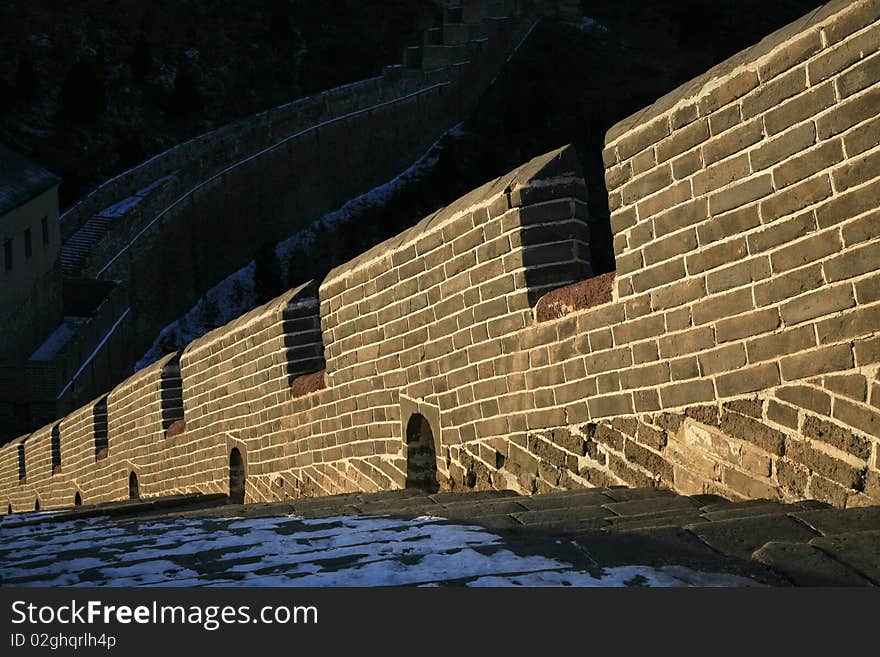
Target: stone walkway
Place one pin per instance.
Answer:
(597, 537)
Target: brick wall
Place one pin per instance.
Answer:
(738, 355)
(272, 169)
(236, 390)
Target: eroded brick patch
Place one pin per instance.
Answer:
(176, 429)
(307, 383)
(577, 296)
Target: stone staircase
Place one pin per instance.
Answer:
(461, 38)
(589, 534)
(77, 247)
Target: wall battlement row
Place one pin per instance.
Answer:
(263, 178)
(739, 353)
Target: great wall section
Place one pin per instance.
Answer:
(152, 229)
(735, 352)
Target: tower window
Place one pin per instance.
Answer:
(28, 243)
(45, 226)
(7, 255)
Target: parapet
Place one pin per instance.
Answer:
(737, 353)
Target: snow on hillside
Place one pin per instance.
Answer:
(234, 295)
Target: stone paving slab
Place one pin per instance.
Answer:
(860, 551)
(496, 538)
(841, 521)
(806, 565)
(742, 536)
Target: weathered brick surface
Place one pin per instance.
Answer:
(737, 354)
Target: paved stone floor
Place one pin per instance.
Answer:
(597, 537)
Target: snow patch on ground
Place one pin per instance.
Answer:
(587, 24)
(291, 551)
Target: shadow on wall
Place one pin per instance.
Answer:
(236, 477)
(421, 455)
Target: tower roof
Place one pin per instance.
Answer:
(21, 180)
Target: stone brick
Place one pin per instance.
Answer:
(802, 107)
(820, 303)
(857, 171)
(606, 435)
(808, 397)
(748, 325)
(848, 113)
(609, 405)
(724, 359)
(750, 379)
(623, 219)
(777, 149)
(747, 486)
(731, 223)
(722, 305)
(670, 246)
(614, 359)
(849, 204)
(649, 460)
(859, 417)
(774, 92)
(645, 185)
(644, 161)
(789, 285)
(725, 118)
(792, 477)
(651, 437)
(645, 352)
(806, 164)
(686, 164)
(714, 256)
(795, 51)
(639, 329)
(684, 115)
(678, 294)
(806, 251)
(669, 197)
(732, 88)
(740, 194)
(837, 436)
(836, 59)
(733, 141)
(860, 139)
(652, 277)
(684, 368)
(720, 174)
(742, 273)
(688, 342)
(795, 198)
(683, 140)
(616, 176)
(678, 320)
(688, 392)
(649, 375)
(645, 136)
(685, 215)
(782, 232)
(752, 431)
(750, 406)
(829, 467)
(819, 361)
(782, 414)
(853, 263)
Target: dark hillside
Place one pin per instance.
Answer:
(93, 87)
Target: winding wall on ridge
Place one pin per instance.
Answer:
(738, 352)
(263, 178)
